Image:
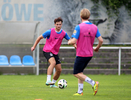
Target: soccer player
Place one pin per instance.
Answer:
(54, 37)
(84, 36)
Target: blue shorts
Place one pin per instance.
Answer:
(80, 64)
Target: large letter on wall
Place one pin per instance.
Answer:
(20, 12)
(38, 12)
(7, 8)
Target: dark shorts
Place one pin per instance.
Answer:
(48, 55)
(80, 64)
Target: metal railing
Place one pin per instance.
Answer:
(119, 54)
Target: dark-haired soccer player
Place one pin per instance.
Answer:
(84, 36)
(54, 37)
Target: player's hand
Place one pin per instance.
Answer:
(75, 46)
(96, 49)
(32, 48)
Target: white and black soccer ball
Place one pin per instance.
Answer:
(62, 83)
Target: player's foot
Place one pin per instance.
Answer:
(53, 86)
(78, 94)
(49, 83)
(95, 88)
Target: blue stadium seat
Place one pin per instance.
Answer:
(28, 60)
(3, 60)
(15, 60)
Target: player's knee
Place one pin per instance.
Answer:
(75, 75)
(53, 63)
(59, 70)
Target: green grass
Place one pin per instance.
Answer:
(31, 87)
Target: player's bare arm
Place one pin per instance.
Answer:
(72, 41)
(99, 44)
(36, 42)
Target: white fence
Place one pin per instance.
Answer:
(119, 54)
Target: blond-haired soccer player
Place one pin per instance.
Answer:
(54, 37)
(84, 36)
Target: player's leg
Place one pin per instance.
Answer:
(57, 67)
(95, 84)
(79, 66)
(56, 74)
(80, 88)
(81, 63)
(57, 70)
(51, 66)
(77, 70)
(50, 58)
(50, 70)
(83, 77)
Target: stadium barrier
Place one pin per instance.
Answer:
(119, 55)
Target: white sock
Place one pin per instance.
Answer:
(88, 80)
(80, 88)
(53, 81)
(48, 77)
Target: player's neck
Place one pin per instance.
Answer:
(57, 30)
(83, 20)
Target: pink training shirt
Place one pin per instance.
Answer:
(54, 42)
(86, 40)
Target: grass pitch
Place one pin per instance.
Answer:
(31, 87)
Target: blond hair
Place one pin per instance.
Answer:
(85, 13)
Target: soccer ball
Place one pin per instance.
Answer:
(62, 83)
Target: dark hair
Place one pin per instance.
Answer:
(58, 20)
